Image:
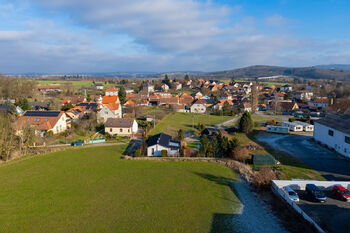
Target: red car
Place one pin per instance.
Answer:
(341, 192)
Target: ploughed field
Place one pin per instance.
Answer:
(93, 190)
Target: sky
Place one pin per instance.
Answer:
(82, 36)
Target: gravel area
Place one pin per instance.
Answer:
(254, 216)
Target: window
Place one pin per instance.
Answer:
(121, 130)
(152, 151)
(347, 139)
(128, 130)
(110, 130)
(330, 133)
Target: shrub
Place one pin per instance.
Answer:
(256, 124)
(49, 133)
(164, 153)
(264, 177)
(240, 154)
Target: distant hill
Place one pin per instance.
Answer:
(335, 66)
(265, 71)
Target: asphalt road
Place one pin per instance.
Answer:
(328, 163)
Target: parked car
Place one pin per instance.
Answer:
(291, 193)
(341, 192)
(315, 192)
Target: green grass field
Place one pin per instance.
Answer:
(175, 121)
(75, 83)
(93, 190)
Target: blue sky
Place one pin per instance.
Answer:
(168, 35)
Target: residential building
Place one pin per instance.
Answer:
(98, 86)
(334, 132)
(121, 126)
(286, 87)
(199, 107)
(42, 121)
(177, 85)
(165, 87)
(160, 142)
(148, 87)
(321, 103)
(111, 92)
(303, 95)
(110, 110)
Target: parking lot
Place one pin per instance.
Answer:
(332, 215)
(328, 163)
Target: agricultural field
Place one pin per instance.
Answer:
(93, 190)
(175, 121)
(75, 83)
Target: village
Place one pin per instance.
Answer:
(242, 122)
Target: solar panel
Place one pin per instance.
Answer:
(42, 113)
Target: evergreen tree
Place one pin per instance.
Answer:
(187, 77)
(246, 123)
(288, 95)
(122, 95)
(166, 80)
(180, 135)
(23, 103)
(204, 146)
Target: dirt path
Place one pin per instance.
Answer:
(254, 217)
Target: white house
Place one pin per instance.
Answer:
(121, 126)
(334, 132)
(199, 106)
(286, 88)
(177, 85)
(293, 126)
(148, 87)
(160, 142)
(303, 95)
(42, 122)
(111, 110)
(111, 92)
(98, 86)
(165, 87)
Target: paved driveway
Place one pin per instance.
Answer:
(327, 163)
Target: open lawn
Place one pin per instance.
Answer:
(93, 190)
(264, 118)
(175, 121)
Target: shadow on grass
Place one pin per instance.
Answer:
(221, 222)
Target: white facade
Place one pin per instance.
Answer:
(106, 113)
(111, 93)
(165, 87)
(293, 126)
(156, 150)
(277, 129)
(198, 108)
(306, 127)
(123, 131)
(333, 138)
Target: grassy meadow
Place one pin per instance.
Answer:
(93, 190)
(175, 121)
(74, 83)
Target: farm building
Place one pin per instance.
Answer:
(334, 132)
(293, 126)
(277, 129)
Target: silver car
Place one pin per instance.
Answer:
(291, 193)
